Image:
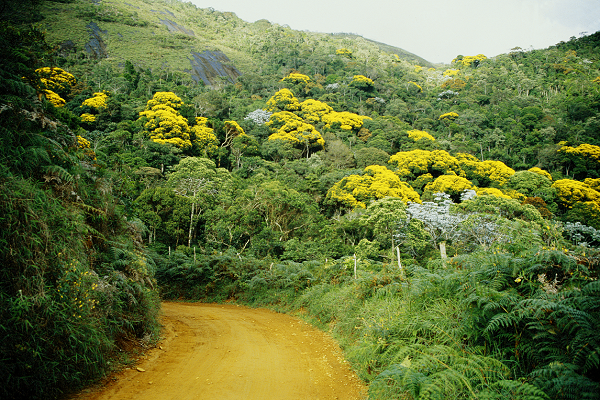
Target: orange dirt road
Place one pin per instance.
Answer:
(221, 352)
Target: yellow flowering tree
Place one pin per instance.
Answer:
(584, 150)
(571, 191)
(283, 100)
(362, 82)
(313, 110)
(344, 52)
(85, 145)
(411, 164)
(93, 105)
(491, 192)
(296, 78)
(593, 183)
(414, 87)
(343, 120)
(163, 122)
(584, 158)
(204, 137)
(451, 72)
(54, 84)
(377, 182)
(418, 135)
(449, 116)
(289, 127)
(487, 173)
(232, 130)
(165, 98)
(54, 98)
(56, 79)
(97, 101)
(540, 171)
(468, 61)
(454, 84)
(450, 184)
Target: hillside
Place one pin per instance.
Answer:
(442, 222)
(170, 35)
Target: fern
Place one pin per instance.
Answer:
(436, 372)
(59, 172)
(562, 381)
(512, 390)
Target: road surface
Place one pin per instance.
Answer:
(221, 352)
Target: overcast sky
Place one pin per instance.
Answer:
(437, 30)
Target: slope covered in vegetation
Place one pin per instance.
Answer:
(444, 222)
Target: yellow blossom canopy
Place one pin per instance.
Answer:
(540, 171)
(491, 192)
(54, 98)
(344, 52)
(449, 184)
(343, 120)
(204, 136)
(449, 116)
(289, 127)
(487, 173)
(355, 191)
(87, 117)
(417, 135)
(583, 150)
(296, 78)
(419, 162)
(56, 79)
(97, 101)
(164, 123)
(571, 191)
(313, 110)
(283, 100)
(362, 82)
(470, 60)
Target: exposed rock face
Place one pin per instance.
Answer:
(96, 47)
(209, 66)
(174, 27)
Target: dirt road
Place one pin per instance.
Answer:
(220, 352)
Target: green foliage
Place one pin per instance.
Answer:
(67, 299)
(508, 314)
(62, 315)
(507, 208)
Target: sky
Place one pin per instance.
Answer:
(436, 30)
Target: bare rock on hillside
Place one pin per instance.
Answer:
(210, 66)
(174, 27)
(96, 47)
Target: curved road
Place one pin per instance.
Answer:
(220, 352)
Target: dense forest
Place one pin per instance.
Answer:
(441, 221)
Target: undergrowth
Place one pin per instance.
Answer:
(500, 325)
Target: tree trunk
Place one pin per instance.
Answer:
(191, 225)
(443, 253)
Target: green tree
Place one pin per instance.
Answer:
(384, 216)
(201, 182)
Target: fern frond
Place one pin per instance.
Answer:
(60, 172)
(512, 390)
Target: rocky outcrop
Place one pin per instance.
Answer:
(96, 47)
(174, 27)
(210, 66)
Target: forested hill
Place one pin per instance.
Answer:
(165, 35)
(443, 221)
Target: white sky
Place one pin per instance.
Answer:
(436, 30)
